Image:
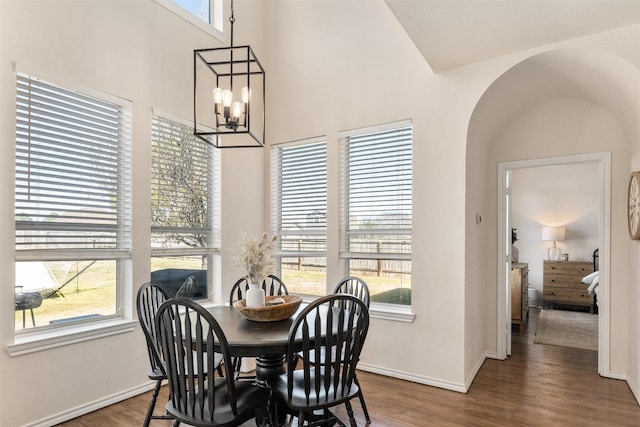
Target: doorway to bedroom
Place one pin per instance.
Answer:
(567, 194)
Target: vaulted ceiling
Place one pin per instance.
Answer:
(453, 33)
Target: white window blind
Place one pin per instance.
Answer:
(299, 198)
(72, 170)
(376, 194)
(185, 178)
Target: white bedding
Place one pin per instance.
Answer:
(592, 280)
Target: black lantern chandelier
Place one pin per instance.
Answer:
(234, 114)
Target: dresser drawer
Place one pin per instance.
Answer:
(562, 283)
(566, 272)
(568, 295)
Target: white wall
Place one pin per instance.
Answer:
(337, 66)
(565, 196)
(141, 52)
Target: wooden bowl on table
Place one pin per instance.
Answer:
(270, 313)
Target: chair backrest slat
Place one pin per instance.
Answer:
(354, 286)
(149, 299)
(190, 339)
(272, 285)
(332, 330)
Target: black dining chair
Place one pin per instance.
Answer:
(357, 287)
(189, 289)
(332, 331)
(353, 286)
(150, 298)
(190, 338)
(272, 285)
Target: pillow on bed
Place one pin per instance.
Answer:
(587, 280)
(593, 285)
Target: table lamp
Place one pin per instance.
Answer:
(554, 253)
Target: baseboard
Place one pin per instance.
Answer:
(614, 375)
(634, 390)
(461, 388)
(474, 371)
(434, 382)
(91, 406)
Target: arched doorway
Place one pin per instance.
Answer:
(561, 103)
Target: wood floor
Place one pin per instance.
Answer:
(539, 385)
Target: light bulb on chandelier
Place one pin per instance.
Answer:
(230, 112)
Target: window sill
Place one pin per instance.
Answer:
(393, 312)
(45, 340)
(397, 313)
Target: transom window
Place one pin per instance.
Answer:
(205, 14)
(72, 203)
(201, 9)
(376, 209)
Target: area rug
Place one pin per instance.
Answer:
(567, 329)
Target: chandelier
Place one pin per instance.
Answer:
(232, 114)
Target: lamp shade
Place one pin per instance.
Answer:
(553, 233)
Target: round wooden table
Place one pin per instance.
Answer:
(266, 341)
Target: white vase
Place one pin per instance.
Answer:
(255, 296)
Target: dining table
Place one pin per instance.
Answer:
(266, 341)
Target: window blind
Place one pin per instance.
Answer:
(184, 196)
(299, 198)
(376, 202)
(72, 169)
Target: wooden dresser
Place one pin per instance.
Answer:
(519, 295)
(562, 285)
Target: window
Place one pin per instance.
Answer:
(185, 205)
(72, 204)
(205, 14)
(376, 209)
(299, 214)
(201, 9)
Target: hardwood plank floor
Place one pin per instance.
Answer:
(539, 385)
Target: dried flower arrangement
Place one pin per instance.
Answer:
(254, 256)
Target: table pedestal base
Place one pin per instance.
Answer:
(271, 366)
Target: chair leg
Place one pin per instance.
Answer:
(361, 397)
(300, 419)
(152, 404)
(352, 419)
(33, 319)
(237, 362)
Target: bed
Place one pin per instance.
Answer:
(592, 280)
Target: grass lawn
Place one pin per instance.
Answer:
(93, 291)
(390, 290)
